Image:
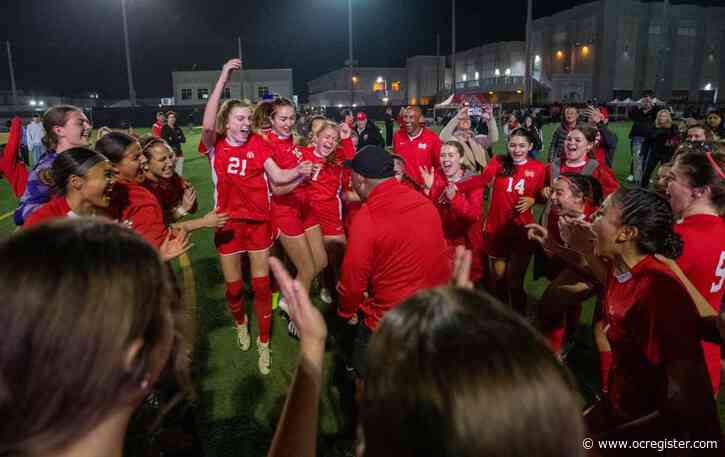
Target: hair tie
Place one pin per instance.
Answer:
(714, 165)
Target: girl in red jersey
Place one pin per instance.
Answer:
(696, 191)
(242, 164)
(460, 207)
(573, 196)
(658, 383)
(176, 194)
(83, 183)
(294, 222)
(515, 181)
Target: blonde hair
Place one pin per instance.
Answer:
(222, 116)
(667, 124)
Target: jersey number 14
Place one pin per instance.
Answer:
(234, 168)
(519, 186)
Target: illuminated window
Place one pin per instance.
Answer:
(424, 101)
(186, 94)
(378, 86)
(497, 72)
(507, 72)
(585, 51)
(395, 86)
(355, 80)
(202, 94)
(413, 101)
(559, 55)
(476, 78)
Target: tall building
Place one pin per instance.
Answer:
(194, 87)
(621, 48)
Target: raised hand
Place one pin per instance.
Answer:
(305, 168)
(212, 219)
(177, 242)
(345, 131)
(428, 174)
(230, 66)
(189, 199)
(524, 204)
(451, 190)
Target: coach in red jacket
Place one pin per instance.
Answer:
(395, 247)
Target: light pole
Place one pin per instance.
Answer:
(350, 62)
(131, 90)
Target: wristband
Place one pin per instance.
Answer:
(180, 212)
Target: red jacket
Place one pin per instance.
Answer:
(423, 150)
(57, 208)
(14, 170)
(138, 209)
(395, 248)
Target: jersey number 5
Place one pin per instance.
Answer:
(719, 274)
(519, 187)
(233, 168)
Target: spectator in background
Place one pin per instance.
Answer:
(571, 116)
(698, 132)
(389, 126)
(663, 142)
(643, 126)
(174, 136)
(159, 124)
(530, 126)
(714, 121)
(34, 134)
(348, 118)
(474, 146)
(368, 132)
(607, 140)
(510, 125)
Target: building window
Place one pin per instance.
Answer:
(395, 86)
(186, 94)
(378, 86)
(687, 31)
(227, 93)
(202, 94)
(655, 29)
(262, 91)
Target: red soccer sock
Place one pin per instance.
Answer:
(263, 306)
(235, 300)
(605, 363)
(555, 337)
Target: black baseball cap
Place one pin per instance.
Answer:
(372, 162)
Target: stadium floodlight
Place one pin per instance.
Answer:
(33, 103)
(386, 100)
(41, 103)
(379, 80)
(708, 86)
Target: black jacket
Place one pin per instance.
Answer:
(370, 135)
(175, 137)
(643, 123)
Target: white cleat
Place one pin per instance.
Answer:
(243, 338)
(265, 357)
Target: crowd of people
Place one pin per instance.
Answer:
(422, 250)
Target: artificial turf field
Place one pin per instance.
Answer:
(237, 408)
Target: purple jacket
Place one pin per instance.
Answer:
(38, 190)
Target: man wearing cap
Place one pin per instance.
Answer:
(395, 246)
(368, 132)
(417, 145)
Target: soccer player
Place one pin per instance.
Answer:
(658, 381)
(696, 191)
(515, 181)
(417, 145)
(242, 164)
(460, 208)
(84, 183)
(65, 127)
(159, 124)
(573, 196)
(176, 195)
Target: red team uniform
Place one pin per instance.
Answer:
(57, 208)
(461, 218)
(291, 213)
(170, 193)
(156, 129)
(323, 192)
(242, 193)
(423, 150)
(140, 210)
(703, 262)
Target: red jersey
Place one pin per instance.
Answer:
(423, 150)
(156, 129)
(137, 208)
(241, 183)
(650, 321)
(326, 183)
(703, 262)
(11, 167)
(461, 216)
(55, 209)
(170, 192)
(286, 155)
(601, 173)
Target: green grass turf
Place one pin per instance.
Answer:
(237, 408)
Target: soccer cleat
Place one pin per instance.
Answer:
(265, 356)
(282, 304)
(325, 295)
(243, 338)
(292, 330)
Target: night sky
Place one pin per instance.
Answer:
(71, 47)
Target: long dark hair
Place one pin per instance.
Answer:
(508, 167)
(114, 145)
(73, 162)
(650, 213)
(704, 168)
(436, 364)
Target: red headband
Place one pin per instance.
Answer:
(714, 165)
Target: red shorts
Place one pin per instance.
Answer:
(328, 214)
(292, 220)
(239, 236)
(507, 240)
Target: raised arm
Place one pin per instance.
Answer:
(447, 132)
(208, 124)
(282, 176)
